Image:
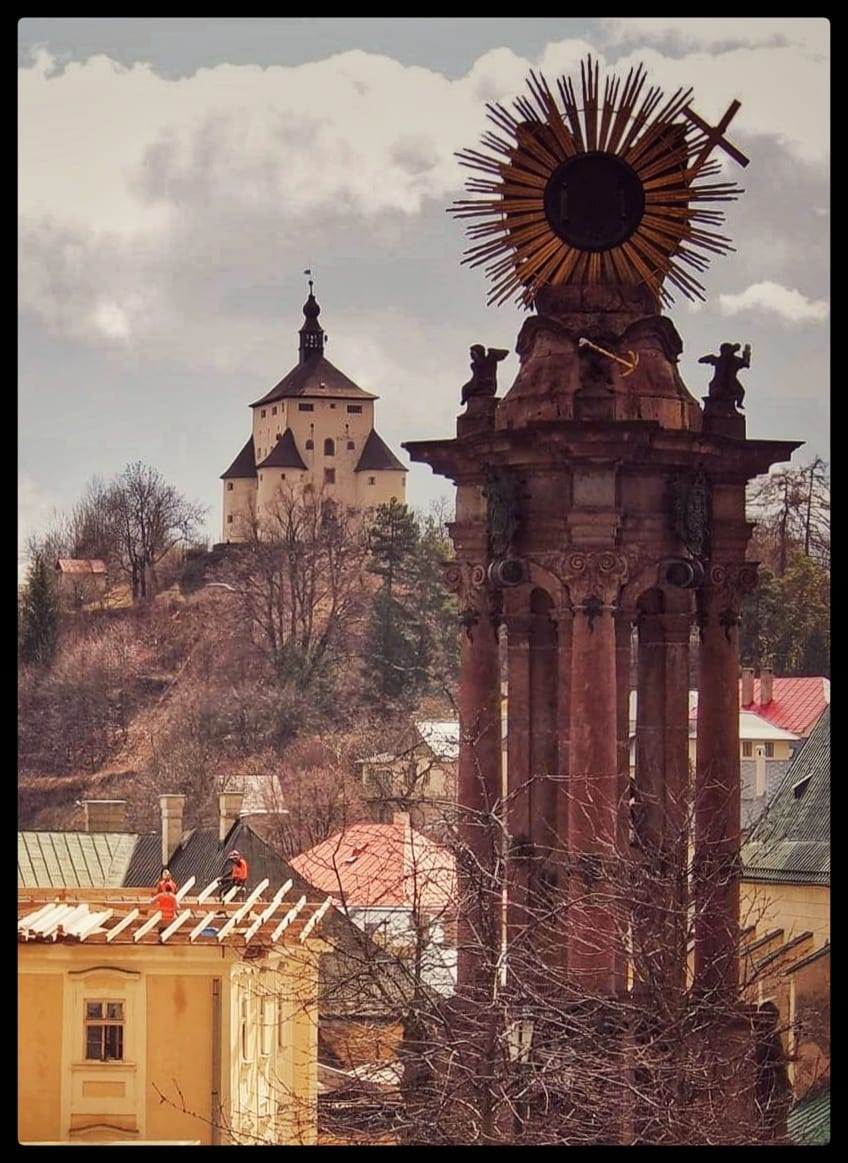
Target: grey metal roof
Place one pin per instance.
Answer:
(808, 1122)
(791, 841)
(74, 859)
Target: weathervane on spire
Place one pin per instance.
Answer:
(308, 273)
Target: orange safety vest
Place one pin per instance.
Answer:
(167, 905)
(239, 871)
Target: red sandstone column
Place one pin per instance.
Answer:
(716, 880)
(593, 928)
(518, 813)
(479, 790)
(662, 767)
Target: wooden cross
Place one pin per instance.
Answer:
(715, 136)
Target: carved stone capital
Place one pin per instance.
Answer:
(593, 578)
(726, 585)
(476, 601)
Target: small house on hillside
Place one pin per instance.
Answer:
(417, 776)
(80, 580)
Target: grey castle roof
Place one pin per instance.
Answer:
(791, 841)
(377, 455)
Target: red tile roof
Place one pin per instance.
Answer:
(796, 704)
(80, 565)
(382, 866)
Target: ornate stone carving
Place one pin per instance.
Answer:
(503, 491)
(468, 581)
(725, 587)
(593, 579)
(689, 507)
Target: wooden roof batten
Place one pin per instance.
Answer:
(104, 921)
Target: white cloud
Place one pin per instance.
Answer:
(773, 299)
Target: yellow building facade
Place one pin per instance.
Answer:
(202, 1034)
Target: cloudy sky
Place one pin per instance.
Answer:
(178, 175)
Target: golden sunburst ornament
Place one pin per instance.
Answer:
(604, 192)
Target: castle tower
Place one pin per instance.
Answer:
(598, 501)
(312, 432)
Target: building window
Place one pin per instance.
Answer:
(329, 476)
(263, 412)
(274, 410)
(104, 1031)
(229, 518)
(350, 446)
(260, 476)
(306, 407)
(769, 751)
(372, 480)
(329, 447)
(355, 409)
(266, 1025)
(747, 749)
(229, 486)
(282, 476)
(332, 405)
(310, 444)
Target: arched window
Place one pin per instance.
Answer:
(329, 447)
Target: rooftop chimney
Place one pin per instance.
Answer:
(766, 685)
(229, 810)
(105, 815)
(172, 824)
(747, 696)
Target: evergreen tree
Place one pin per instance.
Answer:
(38, 626)
(397, 648)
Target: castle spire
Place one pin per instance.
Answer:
(311, 333)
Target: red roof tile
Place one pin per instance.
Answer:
(796, 704)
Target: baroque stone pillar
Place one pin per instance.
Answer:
(717, 794)
(661, 790)
(593, 926)
(479, 791)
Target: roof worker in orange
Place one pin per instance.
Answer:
(166, 881)
(167, 904)
(236, 875)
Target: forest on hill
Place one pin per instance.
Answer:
(293, 655)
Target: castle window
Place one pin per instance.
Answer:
(229, 486)
(747, 749)
(769, 751)
(274, 410)
(282, 476)
(306, 407)
(355, 409)
(263, 412)
(329, 476)
(329, 447)
(372, 480)
(310, 444)
(104, 1031)
(350, 446)
(229, 518)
